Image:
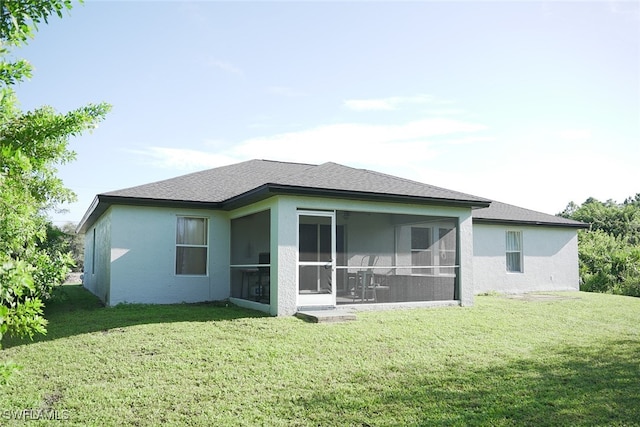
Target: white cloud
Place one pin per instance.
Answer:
(535, 171)
(369, 104)
(285, 91)
(469, 140)
(356, 144)
(446, 111)
(574, 134)
(183, 159)
(225, 66)
(391, 103)
(626, 9)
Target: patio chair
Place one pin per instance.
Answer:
(264, 276)
(364, 287)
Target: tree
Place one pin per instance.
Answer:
(32, 144)
(64, 239)
(609, 252)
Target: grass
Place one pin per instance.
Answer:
(572, 360)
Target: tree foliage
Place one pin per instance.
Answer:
(64, 239)
(32, 145)
(609, 251)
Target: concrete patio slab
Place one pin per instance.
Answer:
(326, 316)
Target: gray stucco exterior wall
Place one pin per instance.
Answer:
(97, 252)
(135, 259)
(130, 253)
(136, 249)
(550, 259)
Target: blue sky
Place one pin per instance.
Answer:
(530, 103)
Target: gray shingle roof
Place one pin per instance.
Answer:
(503, 213)
(242, 183)
(228, 182)
(214, 185)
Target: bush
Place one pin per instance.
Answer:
(609, 252)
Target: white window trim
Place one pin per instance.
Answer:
(182, 245)
(93, 252)
(521, 252)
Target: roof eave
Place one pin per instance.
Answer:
(102, 202)
(525, 222)
(89, 216)
(268, 190)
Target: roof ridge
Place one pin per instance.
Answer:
(190, 174)
(292, 173)
(205, 171)
(281, 162)
(298, 173)
(399, 178)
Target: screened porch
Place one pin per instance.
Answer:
(391, 258)
(350, 257)
(251, 258)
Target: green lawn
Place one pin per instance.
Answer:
(574, 360)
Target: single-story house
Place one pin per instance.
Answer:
(279, 237)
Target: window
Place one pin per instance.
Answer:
(514, 251)
(191, 246)
(93, 253)
(421, 249)
(447, 248)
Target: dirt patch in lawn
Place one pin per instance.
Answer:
(540, 297)
(74, 278)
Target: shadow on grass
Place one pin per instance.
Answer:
(73, 310)
(571, 386)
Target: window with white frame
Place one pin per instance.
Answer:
(93, 253)
(514, 251)
(431, 248)
(192, 246)
(421, 249)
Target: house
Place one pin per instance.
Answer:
(279, 236)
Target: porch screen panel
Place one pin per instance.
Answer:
(395, 258)
(447, 247)
(309, 242)
(421, 248)
(315, 242)
(251, 258)
(314, 252)
(314, 279)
